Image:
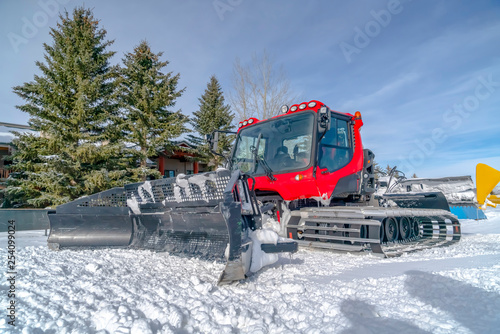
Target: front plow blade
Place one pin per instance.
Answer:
(207, 216)
(100, 220)
(235, 266)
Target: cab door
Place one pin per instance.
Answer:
(336, 170)
(335, 148)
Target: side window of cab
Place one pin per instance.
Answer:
(335, 148)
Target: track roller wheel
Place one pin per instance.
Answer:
(382, 232)
(391, 229)
(415, 229)
(405, 228)
(363, 231)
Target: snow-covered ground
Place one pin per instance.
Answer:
(445, 290)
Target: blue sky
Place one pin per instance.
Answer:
(424, 74)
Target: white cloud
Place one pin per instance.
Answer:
(387, 91)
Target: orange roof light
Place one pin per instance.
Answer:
(357, 115)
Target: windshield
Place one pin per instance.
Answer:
(285, 144)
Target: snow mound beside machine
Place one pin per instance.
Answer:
(210, 216)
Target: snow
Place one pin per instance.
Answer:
(496, 190)
(456, 189)
(445, 290)
(50, 157)
(268, 234)
(133, 204)
(201, 181)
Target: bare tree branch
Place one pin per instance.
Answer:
(259, 89)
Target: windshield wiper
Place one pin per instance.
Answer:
(257, 159)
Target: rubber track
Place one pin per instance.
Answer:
(357, 229)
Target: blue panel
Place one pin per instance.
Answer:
(467, 212)
(458, 211)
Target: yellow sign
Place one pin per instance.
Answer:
(486, 180)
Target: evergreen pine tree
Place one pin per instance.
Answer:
(77, 151)
(146, 95)
(213, 115)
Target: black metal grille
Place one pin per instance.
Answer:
(114, 198)
(206, 188)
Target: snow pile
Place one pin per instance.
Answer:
(445, 290)
(181, 182)
(142, 190)
(201, 181)
(133, 204)
(268, 234)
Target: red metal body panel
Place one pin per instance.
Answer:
(312, 186)
(288, 187)
(327, 181)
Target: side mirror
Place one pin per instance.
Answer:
(325, 118)
(213, 140)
